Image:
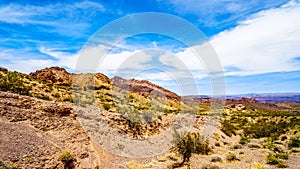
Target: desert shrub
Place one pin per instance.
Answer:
(295, 150)
(244, 139)
(217, 136)
(272, 159)
(231, 156)
(57, 95)
(257, 165)
(294, 142)
(66, 157)
(172, 156)
(133, 165)
(162, 159)
(282, 164)
(266, 129)
(283, 155)
(6, 165)
(283, 138)
(48, 90)
(188, 143)
(42, 96)
(216, 159)
(2, 69)
(97, 167)
(270, 143)
(106, 106)
(228, 128)
(210, 166)
(68, 99)
(13, 82)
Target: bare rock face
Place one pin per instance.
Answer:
(34, 132)
(144, 87)
(59, 76)
(53, 75)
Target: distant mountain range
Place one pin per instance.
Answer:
(265, 97)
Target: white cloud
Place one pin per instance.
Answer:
(63, 59)
(266, 42)
(27, 66)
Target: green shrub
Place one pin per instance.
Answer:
(188, 143)
(294, 142)
(282, 164)
(283, 155)
(13, 82)
(106, 106)
(68, 99)
(231, 156)
(295, 150)
(272, 159)
(66, 157)
(257, 165)
(228, 128)
(266, 129)
(133, 165)
(42, 96)
(244, 139)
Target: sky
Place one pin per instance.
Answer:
(256, 42)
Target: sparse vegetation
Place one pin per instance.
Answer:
(106, 106)
(228, 128)
(231, 156)
(13, 82)
(244, 139)
(135, 111)
(282, 164)
(294, 142)
(188, 143)
(257, 165)
(272, 159)
(6, 165)
(66, 157)
(133, 165)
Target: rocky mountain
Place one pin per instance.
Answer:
(53, 75)
(144, 87)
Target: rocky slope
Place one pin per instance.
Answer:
(37, 128)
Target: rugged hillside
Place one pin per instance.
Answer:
(133, 102)
(34, 133)
(53, 75)
(143, 87)
(38, 121)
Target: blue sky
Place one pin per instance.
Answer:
(257, 42)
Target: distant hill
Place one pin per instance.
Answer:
(271, 97)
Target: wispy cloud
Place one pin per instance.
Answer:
(46, 15)
(67, 19)
(214, 13)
